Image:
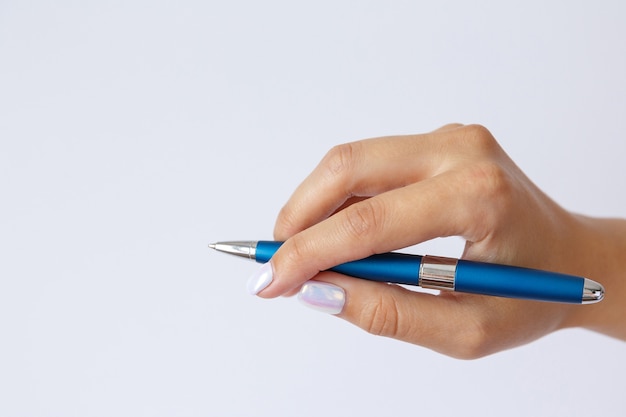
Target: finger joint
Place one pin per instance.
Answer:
(364, 219)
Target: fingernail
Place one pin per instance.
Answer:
(322, 296)
(260, 279)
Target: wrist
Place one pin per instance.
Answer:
(599, 255)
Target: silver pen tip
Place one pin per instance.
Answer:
(244, 248)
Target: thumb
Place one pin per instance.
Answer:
(450, 324)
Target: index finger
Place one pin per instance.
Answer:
(440, 206)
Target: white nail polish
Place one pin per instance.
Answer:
(322, 296)
(260, 279)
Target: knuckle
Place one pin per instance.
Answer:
(340, 159)
(490, 180)
(451, 126)
(489, 193)
(474, 341)
(285, 223)
(381, 317)
(296, 250)
(364, 218)
(480, 138)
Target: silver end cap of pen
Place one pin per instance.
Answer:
(593, 292)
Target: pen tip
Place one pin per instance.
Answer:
(212, 245)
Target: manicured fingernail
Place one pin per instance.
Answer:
(322, 296)
(260, 279)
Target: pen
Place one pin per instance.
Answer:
(441, 273)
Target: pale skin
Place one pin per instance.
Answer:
(383, 194)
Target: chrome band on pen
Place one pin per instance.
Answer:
(437, 273)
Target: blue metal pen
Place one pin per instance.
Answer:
(450, 274)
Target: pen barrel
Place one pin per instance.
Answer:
(265, 249)
(398, 268)
(516, 282)
(466, 276)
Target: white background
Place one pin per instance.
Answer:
(133, 133)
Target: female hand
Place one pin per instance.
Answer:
(378, 195)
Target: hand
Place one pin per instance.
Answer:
(384, 194)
